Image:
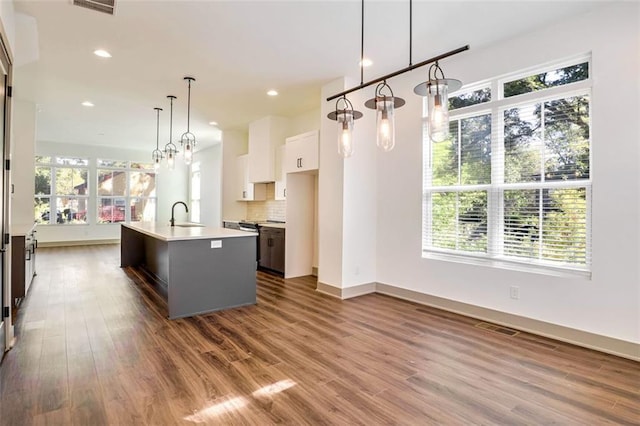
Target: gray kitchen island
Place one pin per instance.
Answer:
(200, 269)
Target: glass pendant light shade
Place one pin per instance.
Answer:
(385, 106)
(188, 139)
(345, 118)
(438, 112)
(156, 154)
(345, 135)
(170, 149)
(437, 90)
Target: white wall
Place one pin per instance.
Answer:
(609, 303)
(7, 18)
(234, 143)
(210, 185)
(23, 140)
(304, 122)
(171, 186)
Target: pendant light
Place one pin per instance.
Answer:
(436, 89)
(170, 149)
(156, 155)
(385, 106)
(188, 139)
(345, 117)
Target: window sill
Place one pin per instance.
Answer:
(508, 265)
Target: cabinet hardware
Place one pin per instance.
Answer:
(244, 194)
(285, 193)
(5, 312)
(28, 254)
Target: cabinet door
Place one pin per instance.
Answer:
(264, 249)
(302, 152)
(281, 175)
(277, 250)
(244, 191)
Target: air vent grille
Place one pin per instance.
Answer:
(497, 328)
(105, 6)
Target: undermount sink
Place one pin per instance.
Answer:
(189, 225)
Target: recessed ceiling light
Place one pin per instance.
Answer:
(272, 93)
(366, 62)
(102, 53)
(87, 104)
(213, 123)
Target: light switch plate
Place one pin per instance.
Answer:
(216, 243)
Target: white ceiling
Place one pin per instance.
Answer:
(236, 50)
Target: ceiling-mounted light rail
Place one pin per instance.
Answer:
(401, 71)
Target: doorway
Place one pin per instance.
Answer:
(5, 114)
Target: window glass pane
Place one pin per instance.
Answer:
(195, 210)
(522, 144)
(522, 222)
(443, 222)
(71, 181)
(476, 150)
(111, 210)
(144, 166)
(112, 182)
(143, 209)
(42, 209)
(72, 161)
(195, 186)
(142, 184)
(43, 160)
(564, 225)
(567, 138)
(43, 181)
(459, 220)
(112, 163)
(71, 210)
(558, 77)
(445, 158)
(472, 221)
(470, 98)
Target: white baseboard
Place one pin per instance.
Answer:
(610, 345)
(77, 243)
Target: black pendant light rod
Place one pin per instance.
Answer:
(189, 79)
(171, 98)
(410, 30)
(362, 44)
(157, 127)
(401, 71)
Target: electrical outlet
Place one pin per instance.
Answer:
(514, 292)
(216, 243)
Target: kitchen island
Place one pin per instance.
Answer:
(199, 269)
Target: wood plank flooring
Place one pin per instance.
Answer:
(95, 347)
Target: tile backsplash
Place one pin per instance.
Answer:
(270, 209)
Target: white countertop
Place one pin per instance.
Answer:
(164, 232)
(21, 229)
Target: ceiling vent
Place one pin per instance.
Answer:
(105, 6)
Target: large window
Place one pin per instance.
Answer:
(61, 190)
(195, 192)
(513, 182)
(126, 192)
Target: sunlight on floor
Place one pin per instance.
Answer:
(215, 410)
(232, 404)
(274, 388)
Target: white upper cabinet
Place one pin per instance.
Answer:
(265, 137)
(302, 152)
(281, 175)
(247, 191)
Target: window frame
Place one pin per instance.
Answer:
(494, 256)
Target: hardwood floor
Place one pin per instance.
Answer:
(95, 347)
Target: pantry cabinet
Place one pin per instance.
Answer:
(302, 152)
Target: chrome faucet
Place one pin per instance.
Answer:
(173, 221)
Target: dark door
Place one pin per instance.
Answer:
(277, 250)
(5, 110)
